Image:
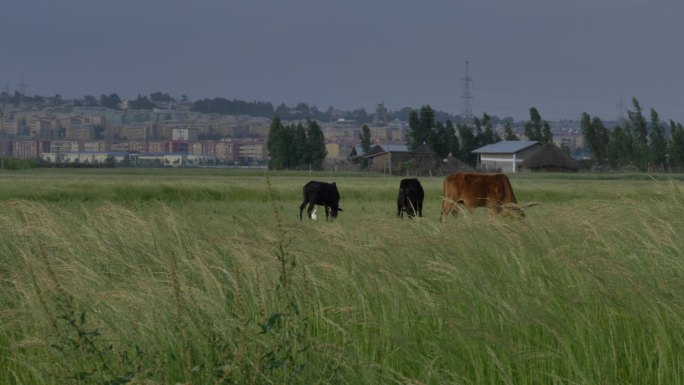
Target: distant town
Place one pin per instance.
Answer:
(159, 130)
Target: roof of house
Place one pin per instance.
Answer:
(549, 156)
(505, 147)
(384, 148)
(356, 151)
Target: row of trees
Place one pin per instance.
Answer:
(296, 146)
(442, 138)
(114, 101)
(635, 143)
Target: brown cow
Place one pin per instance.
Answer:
(472, 190)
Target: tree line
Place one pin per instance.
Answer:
(296, 146)
(441, 138)
(635, 143)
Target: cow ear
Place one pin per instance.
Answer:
(339, 209)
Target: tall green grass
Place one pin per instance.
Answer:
(211, 278)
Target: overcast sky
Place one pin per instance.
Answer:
(563, 57)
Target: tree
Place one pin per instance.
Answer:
(534, 125)
(300, 147)
(141, 103)
(365, 138)
(158, 97)
(468, 144)
(546, 134)
(112, 101)
(453, 144)
(413, 131)
(485, 131)
(89, 101)
(279, 143)
(538, 129)
(587, 129)
(296, 146)
(315, 145)
(639, 133)
(675, 146)
(601, 139)
(657, 145)
(444, 140)
(282, 110)
(596, 136)
(508, 130)
(619, 151)
(420, 127)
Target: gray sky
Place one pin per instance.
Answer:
(563, 57)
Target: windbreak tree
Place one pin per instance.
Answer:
(468, 144)
(639, 133)
(300, 150)
(675, 147)
(278, 143)
(657, 144)
(444, 140)
(538, 129)
(508, 130)
(597, 137)
(619, 151)
(315, 150)
(440, 137)
(365, 138)
(296, 146)
(420, 127)
(112, 101)
(485, 131)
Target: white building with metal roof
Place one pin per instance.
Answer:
(505, 156)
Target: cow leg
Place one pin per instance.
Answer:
(420, 209)
(327, 212)
(447, 207)
(496, 208)
(301, 208)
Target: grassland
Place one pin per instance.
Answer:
(208, 277)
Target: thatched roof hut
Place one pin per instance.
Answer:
(549, 157)
(453, 164)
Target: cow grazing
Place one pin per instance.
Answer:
(410, 198)
(472, 190)
(322, 194)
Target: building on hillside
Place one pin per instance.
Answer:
(251, 151)
(94, 146)
(26, 149)
(226, 151)
(505, 156)
(60, 146)
(183, 134)
(332, 151)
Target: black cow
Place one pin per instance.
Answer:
(410, 198)
(323, 194)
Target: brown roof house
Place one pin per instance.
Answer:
(549, 157)
(398, 159)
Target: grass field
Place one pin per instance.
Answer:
(208, 277)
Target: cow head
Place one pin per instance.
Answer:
(334, 210)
